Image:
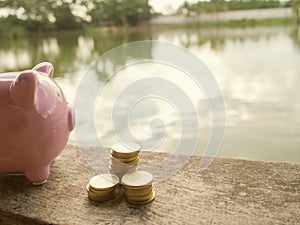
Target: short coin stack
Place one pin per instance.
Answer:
(103, 187)
(138, 187)
(124, 158)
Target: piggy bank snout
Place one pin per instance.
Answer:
(71, 117)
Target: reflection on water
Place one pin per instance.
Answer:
(257, 69)
(68, 51)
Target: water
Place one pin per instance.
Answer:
(257, 69)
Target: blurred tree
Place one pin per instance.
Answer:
(120, 12)
(41, 14)
(72, 14)
(217, 6)
(187, 9)
(295, 35)
(252, 4)
(64, 19)
(11, 27)
(295, 4)
(190, 10)
(195, 9)
(212, 6)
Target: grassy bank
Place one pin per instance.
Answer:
(19, 32)
(232, 24)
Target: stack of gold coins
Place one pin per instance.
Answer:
(103, 187)
(138, 187)
(124, 158)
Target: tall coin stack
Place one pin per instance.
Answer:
(138, 187)
(103, 187)
(124, 158)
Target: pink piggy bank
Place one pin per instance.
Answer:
(35, 122)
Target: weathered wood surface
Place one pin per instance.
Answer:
(230, 191)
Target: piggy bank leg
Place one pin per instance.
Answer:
(39, 175)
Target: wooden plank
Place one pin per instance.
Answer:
(230, 191)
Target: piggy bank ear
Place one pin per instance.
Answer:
(45, 67)
(23, 90)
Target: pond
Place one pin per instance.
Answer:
(257, 70)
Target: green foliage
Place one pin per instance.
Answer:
(192, 10)
(40, 14)
(253, 4)
(64, 17)
(295, 4)
(44, 15)
(213, 6)
(11, 27)
(120, 12)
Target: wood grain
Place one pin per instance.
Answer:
(230, 191)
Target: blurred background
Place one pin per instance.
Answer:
(252, 47)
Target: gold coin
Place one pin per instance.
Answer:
(134, 162)
(104, 181)
(137, 188)
(121, 155)
(123, 163)
(102, 192)
(102, 195)
(101, 199)
(140, 198)
(120, 164)
(124, 156)
(125, 160)
(139, 194)
(137, 178)
(141, 202)
(125, 150)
